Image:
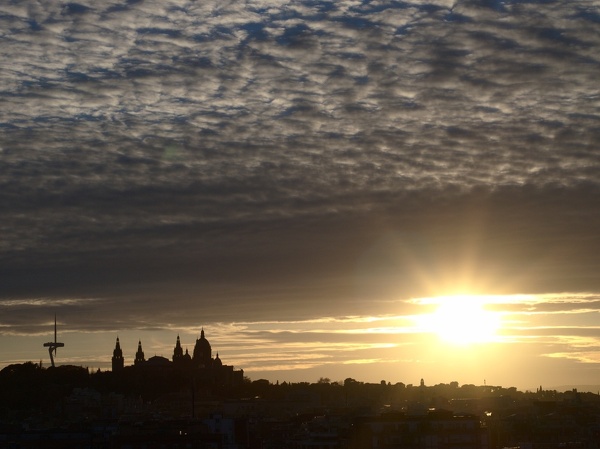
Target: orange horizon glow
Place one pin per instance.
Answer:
(513, 339)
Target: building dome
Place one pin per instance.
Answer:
(202, 352)
(158, 361)
(217, 362)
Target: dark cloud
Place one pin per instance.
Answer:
(229, 155)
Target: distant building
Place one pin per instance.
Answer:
(117, 359)
(438, 429)
(201, 365)
(139, 355)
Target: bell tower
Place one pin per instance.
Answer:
(139, 355)
(117, 358)
(178, 352)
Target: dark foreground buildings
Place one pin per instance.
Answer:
(262, 415)
(194, 401)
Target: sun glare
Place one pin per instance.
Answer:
(461, 319)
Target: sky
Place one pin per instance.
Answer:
(329, 188)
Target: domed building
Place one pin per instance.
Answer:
(202, 357)
(201, 365)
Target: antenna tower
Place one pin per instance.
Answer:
(52, 345)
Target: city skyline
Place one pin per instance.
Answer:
(444, 353)
(382, 190)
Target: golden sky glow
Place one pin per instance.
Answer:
(460, 319)
(520, 340)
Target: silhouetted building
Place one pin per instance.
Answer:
(202, 352)
(180, 359)
(201, 366)
(117, 359)
(178, 351)
(139, 355)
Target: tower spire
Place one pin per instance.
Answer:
(117, 358)
(178, 351)
(139, 355)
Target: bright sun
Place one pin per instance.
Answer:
(461, 319)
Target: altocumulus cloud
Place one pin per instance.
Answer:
(251, 159)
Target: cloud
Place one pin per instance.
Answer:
(257, 159)
(581, 356)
